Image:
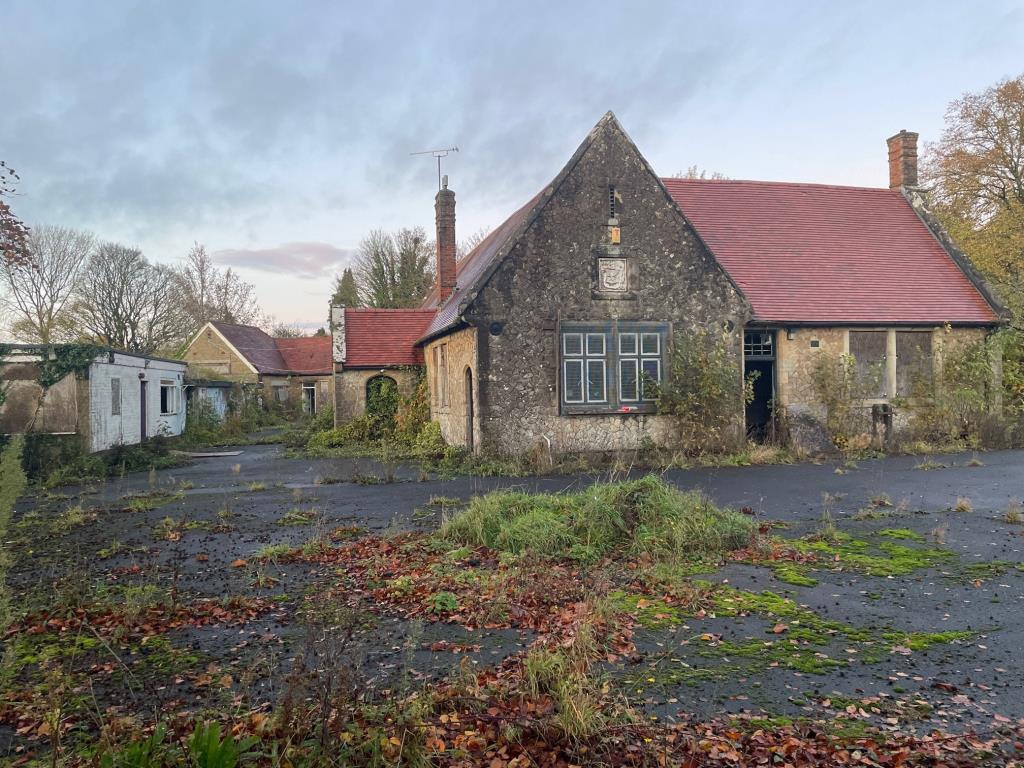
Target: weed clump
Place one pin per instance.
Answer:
(639, 517)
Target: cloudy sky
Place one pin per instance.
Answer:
(278, 134)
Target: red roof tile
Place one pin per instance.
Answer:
(307, 355)
(384, 337)
(826, 254)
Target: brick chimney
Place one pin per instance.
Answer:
(902, 160)
(444, 211)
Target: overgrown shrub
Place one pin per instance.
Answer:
(961, 408)
(64, 459)
(640, 517)
(412, 414)
(202, 424)
(704, 391)
(834, 382)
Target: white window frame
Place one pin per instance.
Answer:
(623, 346)
(576, 361)
(585, 359)
(311, 386)
(173, 397)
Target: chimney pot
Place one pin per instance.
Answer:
(902, 159)
(444, 210)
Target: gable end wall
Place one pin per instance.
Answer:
(548, 278)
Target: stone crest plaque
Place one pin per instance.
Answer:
(611, 274)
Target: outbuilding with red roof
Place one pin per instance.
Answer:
(293, 372)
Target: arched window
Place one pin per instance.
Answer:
(382, 402)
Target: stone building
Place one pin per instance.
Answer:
(293, 372)
(374, 347)
(552, 329)
(104, 396)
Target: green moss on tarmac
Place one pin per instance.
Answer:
(901, 533)
(796, 639)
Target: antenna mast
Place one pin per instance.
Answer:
(438, 153)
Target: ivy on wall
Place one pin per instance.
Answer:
(56, 362)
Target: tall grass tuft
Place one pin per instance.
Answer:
(645, 516)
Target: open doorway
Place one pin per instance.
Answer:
(759, 366)
(309, 398)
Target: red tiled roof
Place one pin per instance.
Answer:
(825, 254)
(384, 337)
(307, 355)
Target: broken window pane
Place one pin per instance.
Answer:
(868, 349)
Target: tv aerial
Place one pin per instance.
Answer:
(438, 153)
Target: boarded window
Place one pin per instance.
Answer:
(868, 349)
(115, 397)
(914, 376)
(441, 375)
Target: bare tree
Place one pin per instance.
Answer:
(286, 331)
(208, 293)
(466, 246)
(394, 270)
(695, 173)
(37, 296)
(13, 232)
(127, 303)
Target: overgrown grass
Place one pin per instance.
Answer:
(12, 485)
(56, 460)
(638, 517)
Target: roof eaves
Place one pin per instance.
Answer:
(457, 324)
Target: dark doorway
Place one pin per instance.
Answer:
(143, 411)
(469, 409)
(759, 367)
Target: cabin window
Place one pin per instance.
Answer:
(115, 396)
(170, 397)
(611, 368)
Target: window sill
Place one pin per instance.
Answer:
(608, 410)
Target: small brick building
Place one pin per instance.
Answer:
(548, 330)
(295, 371)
